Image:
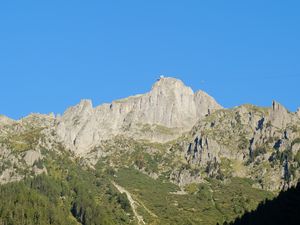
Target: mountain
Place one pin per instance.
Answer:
(161, 115)
(260, 143)
(170, 156)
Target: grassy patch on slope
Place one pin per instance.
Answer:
(206, 203)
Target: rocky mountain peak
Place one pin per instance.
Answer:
(82, 110)
(170, 83)
(279, 115)
(170, 104)
(205, 101)
(276, 106)
(84, 105)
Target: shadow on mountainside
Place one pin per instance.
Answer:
(282, 210)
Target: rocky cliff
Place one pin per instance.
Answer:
(248, 141)
(163, 114)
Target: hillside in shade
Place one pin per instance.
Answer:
(284, 209)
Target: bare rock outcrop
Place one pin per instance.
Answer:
(248, 141)
(31, 157)
(170, 106)
(279, 116)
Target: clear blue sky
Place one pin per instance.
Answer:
(54, 53)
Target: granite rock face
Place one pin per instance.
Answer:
(259, 143)
(279, 115)
(166, 112)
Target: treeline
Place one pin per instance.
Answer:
(68, 195)
(283, 210)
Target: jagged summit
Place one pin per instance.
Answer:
(169, 104)
(169, 83)
(279, 115)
